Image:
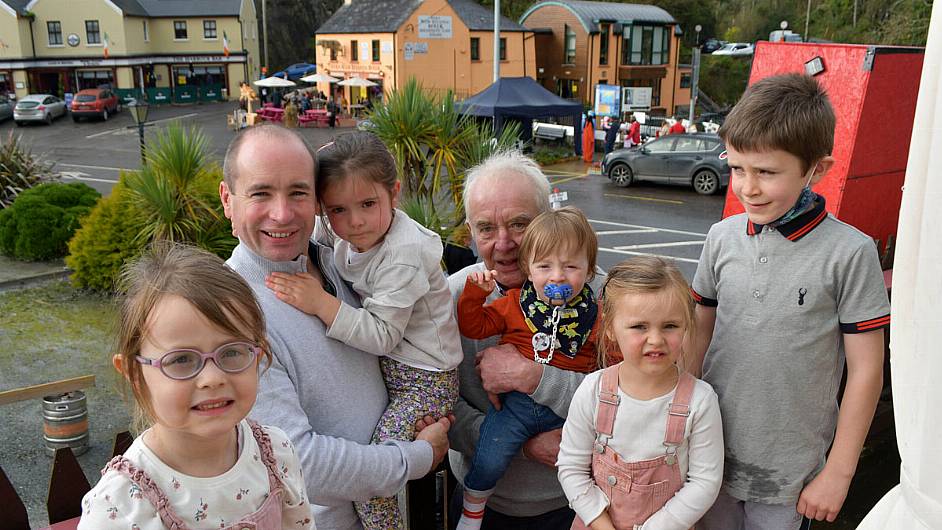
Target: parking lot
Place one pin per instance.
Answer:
(642, 219)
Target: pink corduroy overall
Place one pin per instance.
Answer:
(267, 517)
(636, 489)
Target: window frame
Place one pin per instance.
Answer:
(89, 32)
(214, 28)
(604, 39)
(50, 33)
(569, 55)
(502, 53)
(641, 47)
(146, 30)
(176, 30)
(354, 51)
(475, 49)
(375, 50)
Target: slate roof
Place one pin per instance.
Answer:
(386, 16)
(17, 5)
(591, 13)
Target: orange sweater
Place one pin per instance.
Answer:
(504, 317)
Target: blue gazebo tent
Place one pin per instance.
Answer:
(522, 99)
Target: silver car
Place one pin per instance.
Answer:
(38, 107)
(6, 108)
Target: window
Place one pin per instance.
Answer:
(567, 88)
(209, 29)
(475, 49)
(333, 53)
(146, 31)
(661, 145)
(603, 44)
(375, 51)
(646, 45)
(503, 49)
(354, 50)
(54, 28)
(92, 32)
(569, 46)
(684, 80)
(688, 145)
(179, 30)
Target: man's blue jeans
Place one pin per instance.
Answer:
(502, 435)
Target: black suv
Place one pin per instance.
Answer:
(697, 160)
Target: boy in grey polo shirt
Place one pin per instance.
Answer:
(786, 292)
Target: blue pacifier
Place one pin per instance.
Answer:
(557, 293)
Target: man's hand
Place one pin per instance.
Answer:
(544, 447)
(300, 290)
(435, 432)
(502, 369)
(823, 497)
(486, 280)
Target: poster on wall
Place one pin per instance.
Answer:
(607, 100)
(434, 27)
(636, 98)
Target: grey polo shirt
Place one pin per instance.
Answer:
(784, 297)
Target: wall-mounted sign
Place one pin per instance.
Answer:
(412, 48)
(636, 98)
(387, 46)
(434, 27)
(607, 100)
(364, 51)
(73, 40)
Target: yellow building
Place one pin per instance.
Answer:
(584, 44)
(444, 44)
(174, 50)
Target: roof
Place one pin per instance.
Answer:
(131, 7)
(591, 13)
(387, 16)
(17, 5)
(518, 97)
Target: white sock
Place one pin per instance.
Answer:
(471, 515)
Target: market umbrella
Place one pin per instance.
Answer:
(355, 81)
(273, 82)
(319, 78)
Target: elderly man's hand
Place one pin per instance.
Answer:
(502, 369)
(435, 432)
(544, 447)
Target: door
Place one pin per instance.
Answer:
(688, 153)
(653, 162)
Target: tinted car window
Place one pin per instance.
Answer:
(687, 145)
(662, 145)
(708, 145)
(85, 97)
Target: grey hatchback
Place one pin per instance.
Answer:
(696, 159)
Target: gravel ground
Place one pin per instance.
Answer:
(54, 332)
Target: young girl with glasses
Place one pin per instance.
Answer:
(190, 340)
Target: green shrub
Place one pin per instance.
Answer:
(107, 239)
(546, 155)
(19, 170)
(40, 222)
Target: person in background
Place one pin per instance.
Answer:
(588, 138)
(665, 129)
(611, 134)
(678, 126)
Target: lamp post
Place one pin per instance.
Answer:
(695, 75)
(139, 114)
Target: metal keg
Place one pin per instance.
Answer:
(65, 422)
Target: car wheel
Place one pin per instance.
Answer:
(705, 182)
(104, 115)
(621, 175)
(49, 119)
(75, 118)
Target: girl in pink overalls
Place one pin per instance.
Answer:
(191, 338)
(642, 445)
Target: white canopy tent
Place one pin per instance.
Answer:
(916, 328)
(319, 78)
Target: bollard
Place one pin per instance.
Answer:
(65, 422)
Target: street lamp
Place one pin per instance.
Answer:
(139, 114)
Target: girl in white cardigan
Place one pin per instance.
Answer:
(642, 446)
(394, 264)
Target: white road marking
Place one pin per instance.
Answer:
(658, 245)
(124, 130)
(630, 253)
(668, 230)
(616, 232)
(76, 175)
(106, 168)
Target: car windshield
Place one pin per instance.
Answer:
(85, 97)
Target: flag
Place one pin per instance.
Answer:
(225, 44)
(105, 45)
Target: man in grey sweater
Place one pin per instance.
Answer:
(325, 395)
(502, 195)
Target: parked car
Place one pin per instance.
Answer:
(712, 44)
(38, 107)
(736, 49)
(682, 159)
(6, 108)
(296, 71)
(94, 102)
